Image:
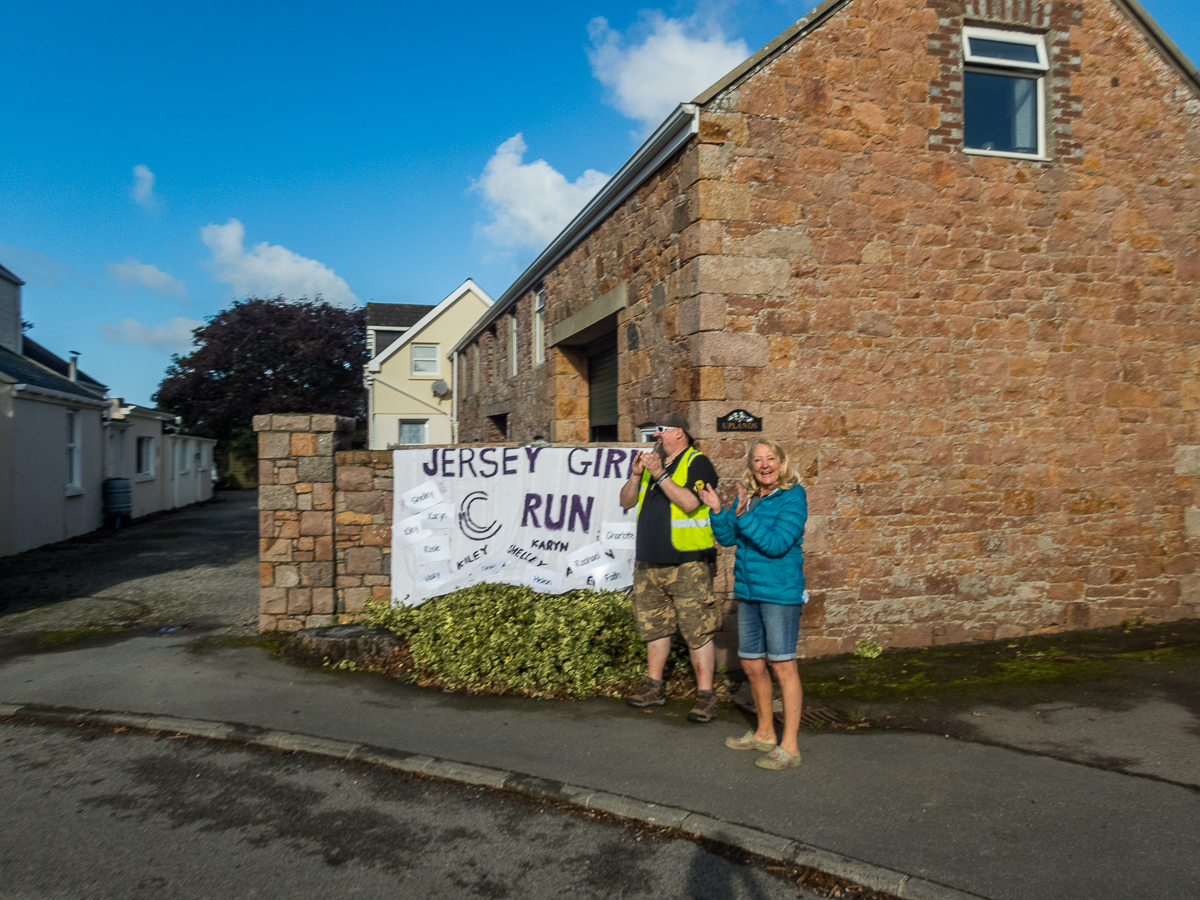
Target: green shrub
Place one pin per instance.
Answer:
(499, 638)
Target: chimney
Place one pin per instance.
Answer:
(10, 310)
(73, 366)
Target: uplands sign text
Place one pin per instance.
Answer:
(546, 517)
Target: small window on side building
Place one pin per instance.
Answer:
(425, 359)
(539, 328)
(412, 431)
(145, 456)
(1004, 92)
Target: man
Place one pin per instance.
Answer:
(672, 578)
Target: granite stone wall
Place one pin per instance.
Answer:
(987, 367)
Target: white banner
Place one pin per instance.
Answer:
(546, 517)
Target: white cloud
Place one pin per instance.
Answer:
(531, 202)
(150, 277)
(268, 270)
(172, 336)
(674, 60)
(143, 188)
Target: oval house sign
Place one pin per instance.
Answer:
(739, 420)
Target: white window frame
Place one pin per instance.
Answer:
(539, 327)
(436, 360)
(148, 471)
(990, 65)
(512, 343)
(74, 447)
(400, 423)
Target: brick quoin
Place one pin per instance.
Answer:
(987, 366)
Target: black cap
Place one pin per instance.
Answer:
(675, 420)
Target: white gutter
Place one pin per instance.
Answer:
(672, 134)
(454, 401)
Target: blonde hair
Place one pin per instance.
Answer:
(786, 477)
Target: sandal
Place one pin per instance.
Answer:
(778, 759)
(747, 742)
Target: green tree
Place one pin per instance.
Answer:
(268, 356)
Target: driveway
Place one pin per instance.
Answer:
(196, 566)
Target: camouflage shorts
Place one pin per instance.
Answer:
(670, 597)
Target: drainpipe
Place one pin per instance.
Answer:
(454, 403)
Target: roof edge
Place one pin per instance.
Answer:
(374, 365)
(801, 27)
(672, 134)
(1176, 58)
(61, 396)
(9, 276)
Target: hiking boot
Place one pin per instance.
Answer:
(651, 693)
(705, 708)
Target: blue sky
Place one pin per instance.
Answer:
(161, 160)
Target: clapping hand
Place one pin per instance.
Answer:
(709, 498)
(743, 498)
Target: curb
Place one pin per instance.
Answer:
(750, 840)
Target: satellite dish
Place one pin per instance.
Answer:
(440, 388)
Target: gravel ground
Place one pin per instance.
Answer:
(194, 566)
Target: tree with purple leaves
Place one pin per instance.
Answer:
(268, 356)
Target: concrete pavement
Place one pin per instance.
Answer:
(916, 814)
(1014, 806)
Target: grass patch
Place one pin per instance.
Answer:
(51, 640)
(972, 670)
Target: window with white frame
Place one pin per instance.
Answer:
(145, 456)
(425, 359)
(1004, 92)
(74, 471)
(512, 343)
(412, 431)
(539, 328)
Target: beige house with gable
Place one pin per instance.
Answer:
(410, 378)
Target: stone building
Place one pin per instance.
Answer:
(948, 251)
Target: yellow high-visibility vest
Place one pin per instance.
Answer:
(689, 531)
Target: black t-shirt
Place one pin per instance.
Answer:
(654, 521)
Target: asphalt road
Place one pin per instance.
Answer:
(96, 813)
(197, 565)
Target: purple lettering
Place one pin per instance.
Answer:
(584, 464)
(532, 503)
(577, 509)
(612, 468)
(485, 457)
(433, 462)
(466, 458)
(562, 512)
(508, 454)
(531, 454)
(448, 463)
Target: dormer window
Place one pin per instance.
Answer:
(1003, 92)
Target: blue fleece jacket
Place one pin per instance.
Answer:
(769, 565)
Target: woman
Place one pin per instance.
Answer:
(767, 528)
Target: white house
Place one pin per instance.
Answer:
(61, 437)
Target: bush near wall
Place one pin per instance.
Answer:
(507, 639)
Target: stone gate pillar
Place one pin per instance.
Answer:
(296, 476)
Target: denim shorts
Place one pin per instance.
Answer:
(768, 629)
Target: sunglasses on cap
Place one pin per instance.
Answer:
(659, 429)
